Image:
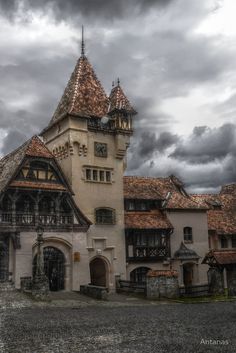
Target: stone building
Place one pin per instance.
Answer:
(99, 226)
(33, 191)
(89, 134)
(222, 238)
(165, 229)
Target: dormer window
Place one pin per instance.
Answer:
(188, 234)
(137, 205)
(224, 242)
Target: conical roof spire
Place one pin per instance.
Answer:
(84, 95)
(119, 101)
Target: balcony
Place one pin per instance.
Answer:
(147, 253)
(30, 219)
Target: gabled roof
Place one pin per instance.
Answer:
(83, 95)
(220, 257)
(34, 147)
(119, 101)
(138, 220)
(169, 189)
(9, 164)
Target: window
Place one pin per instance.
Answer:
(137, 205)
(97, 175)
(37, 170)
(88, 174)
(234, 241)
(224, 242)
(130, 205)
(188, 234)
(105, 216)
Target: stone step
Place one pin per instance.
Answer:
(7, 286)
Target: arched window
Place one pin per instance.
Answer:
(105, 216)
(188, 234)
(139, 274)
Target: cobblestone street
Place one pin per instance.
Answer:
(133, 326)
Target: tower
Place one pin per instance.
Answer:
(89, 134)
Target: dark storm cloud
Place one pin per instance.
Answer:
(13, 140)
(150, 144)
(71, 9)
(207, 145)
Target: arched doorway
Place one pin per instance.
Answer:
(54, 267)
(188, 274)
(98, 272)
(139, 274)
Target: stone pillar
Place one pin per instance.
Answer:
(162, 284)
(215, 280)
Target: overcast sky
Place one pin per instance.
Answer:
(176, 60)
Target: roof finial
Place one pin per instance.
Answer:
(82, 43)
(118, 81)
(113, 84)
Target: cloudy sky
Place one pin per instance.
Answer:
(176, 60)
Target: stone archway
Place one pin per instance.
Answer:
(99, 272)
(54, 267)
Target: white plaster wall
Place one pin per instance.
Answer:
(89, 195)
(198, 222)
(76, 274)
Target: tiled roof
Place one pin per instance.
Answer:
(221, 213)
(9, 164)
(83, 95)
(36, 148)
(184, 253)
(119, 101)
(37, 185)
(169, 189)
(222, 257)
(145, 220)
(160, 273)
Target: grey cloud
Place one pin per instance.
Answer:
(13, 140)
(71, 9)
(147, 146)
(207, 145)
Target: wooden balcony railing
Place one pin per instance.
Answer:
(30, 219)
(144, 253)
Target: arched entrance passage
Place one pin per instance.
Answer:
(188, 274)
(54, 267)
(98, 272)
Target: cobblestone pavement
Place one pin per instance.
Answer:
(131, 327)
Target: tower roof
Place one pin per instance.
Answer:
(119, 101)
(83, 95)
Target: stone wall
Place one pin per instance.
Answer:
(162, 284)
(94, 291)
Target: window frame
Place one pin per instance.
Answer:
(105, 209)
(188, 234)
(98, 175)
